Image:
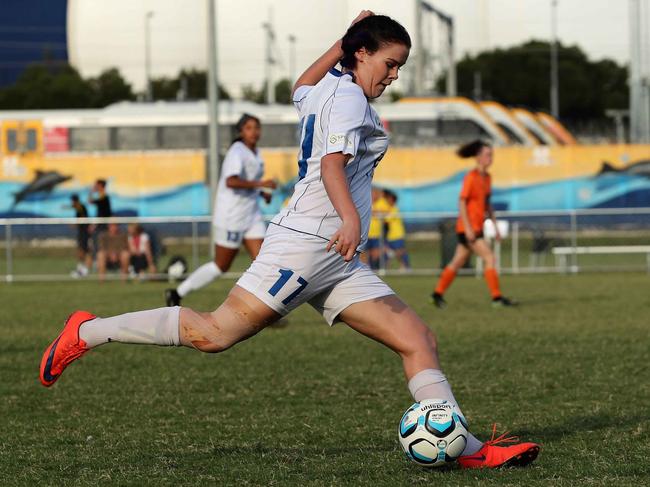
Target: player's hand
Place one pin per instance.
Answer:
(362, 15)
(268, 183)
(346, 239)
(470, 235)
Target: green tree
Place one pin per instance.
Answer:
(283, 91)
(520, 75)
(251, 94)
(189, 84)
(41, 87)
(110, 87)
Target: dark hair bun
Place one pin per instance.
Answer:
(472, 149)
(370, 33)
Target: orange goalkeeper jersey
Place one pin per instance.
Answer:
(476, 193)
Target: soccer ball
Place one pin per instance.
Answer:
(432, 433)
(176, 268)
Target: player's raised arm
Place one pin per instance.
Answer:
(314, 73)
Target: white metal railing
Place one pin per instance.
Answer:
(570, 231)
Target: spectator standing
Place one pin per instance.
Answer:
(102, 202)
(84, 259)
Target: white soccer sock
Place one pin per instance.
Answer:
(432, 384)
(152, 327)
(202, 276)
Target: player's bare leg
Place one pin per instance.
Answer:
(240, 316)
(253, 246)
(390, 321)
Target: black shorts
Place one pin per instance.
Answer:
(139, 263)
(462, 239)
(82, 241)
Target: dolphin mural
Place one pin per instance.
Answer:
(43, 182)
(639, 168)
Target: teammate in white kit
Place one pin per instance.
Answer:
(236, 217)
(310, 253)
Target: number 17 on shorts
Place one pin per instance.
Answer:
(284, 280)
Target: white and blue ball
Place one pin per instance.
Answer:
(432, 433)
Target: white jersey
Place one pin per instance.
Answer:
(236, 209)
(335, 116)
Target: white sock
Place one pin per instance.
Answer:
(202, 276)
(432, 384)
(152, 327)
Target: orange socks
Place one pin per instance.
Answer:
(446, 278)
(492, 279)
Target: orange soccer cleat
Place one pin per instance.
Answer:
(67, 348)
(492, 456)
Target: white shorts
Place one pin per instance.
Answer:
(293, 268)
(232, 239)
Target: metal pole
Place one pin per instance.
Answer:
(418, 86)
(636, 122)
(195, 245)
(270, 35)
(213, 106)
(555, 96)
(574, 241)
(451, 69)
(515, 247)
(292, 60)
(9, 277)
(147, 53)
(478, 86)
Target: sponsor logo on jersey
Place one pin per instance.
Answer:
(338, 139)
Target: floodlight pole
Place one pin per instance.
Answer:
(451, 56)
(269, 61)
(292, 60)
(639, 78)
(555, 95)
(448, 20)
(213, 107)
(147, 54)
(418, 85)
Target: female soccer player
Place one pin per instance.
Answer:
(474, 204)
(342, 141)
(236, 217)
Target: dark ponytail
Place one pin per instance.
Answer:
(472, 149)
(370, 33)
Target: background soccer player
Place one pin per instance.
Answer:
(474, 204)
(236, 217)
(395, 232)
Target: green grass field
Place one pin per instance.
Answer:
(305, 404)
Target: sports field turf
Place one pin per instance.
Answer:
(304, 404)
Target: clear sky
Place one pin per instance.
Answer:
(104, 34)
